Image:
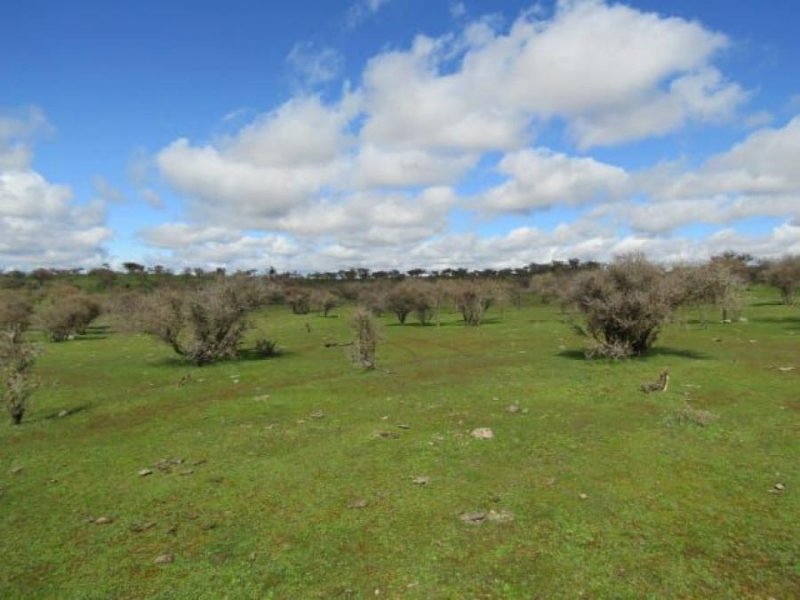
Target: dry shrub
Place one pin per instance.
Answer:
(299, 299)
(17, 357)
(324, 300)
(203, 325)
(714, 284)
(625, 305)
(15, 310)
(784, 274)
(362, 351)
(473, 298)
(402, 300)
(67, 313)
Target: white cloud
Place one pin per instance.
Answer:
(315, 65)
(541, 178)
(361, 10)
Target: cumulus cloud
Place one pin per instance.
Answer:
(40, 225)
(540, 178)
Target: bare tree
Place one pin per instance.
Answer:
(68, 312)
(324, 300)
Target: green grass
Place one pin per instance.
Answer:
(672, 509)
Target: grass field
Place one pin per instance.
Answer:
(296, 474)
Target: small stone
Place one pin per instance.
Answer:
(318, 415)
(500, 516)
(385, 435)
(145, 472)
(785, 369)
(473, 518)
(482, 433)
(202, 461)
(17, 470)
(103, 521)
(421, 480)
(404, 426)
(186, 472)
(63, 413)
(583, 496)
(358, 503)
(779, 486)
(140, 527)
(165, 559)
(513, 409)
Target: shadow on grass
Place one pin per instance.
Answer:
(61, 414)
(652, 354)
(448, 324)
(244, 355)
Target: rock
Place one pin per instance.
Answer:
(482, 433)
(103, 521)
(140, 527)
(145, 472)
(358, 503)
(318, 415)
(385, 435)
(165, 559)
(779, 486)
(785, 369)
(421, 480)
(500, 516)
(404, 426)
(63, 413)
(186, 472)
(583, 496)
(17, 470)
(473, 518)
(513, 409)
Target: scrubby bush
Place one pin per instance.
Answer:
(15, 310)
(324, 300)
(17, 357)
(401, 300)
(299, 299)
(67, 313)
(203, 325)
(784, 274)
(473, 298)
(714, 284)
(625, 305)
(266, 348)
(363, 348)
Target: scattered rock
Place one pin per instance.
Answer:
(583, 496)
(197, 463)
(404, 426)
(140, 527)
(165, 559)
(386, 435)
(717, 340)
(186, 472)
(145, 472)
(500, 516)
(318, 415)
(785, 369)
(779, 487)
(513, 409)
(421, 480)
(103, 521)
(17, 470)
(63, 413)
(358, 503)
(473, 518)
(482, 433)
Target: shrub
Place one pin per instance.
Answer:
(785, 275)
(625, 305)
(401, 300)
(362, 351)
(266, 348)
(15, 311)
(203, 325)
(299, 299)
(324, 300)
(714, 284)
(473, 299)
(17, 357)
(68, 313)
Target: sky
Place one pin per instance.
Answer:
(321, 135)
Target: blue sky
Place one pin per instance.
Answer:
(395, 134)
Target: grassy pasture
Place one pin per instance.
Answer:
(613, 494)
